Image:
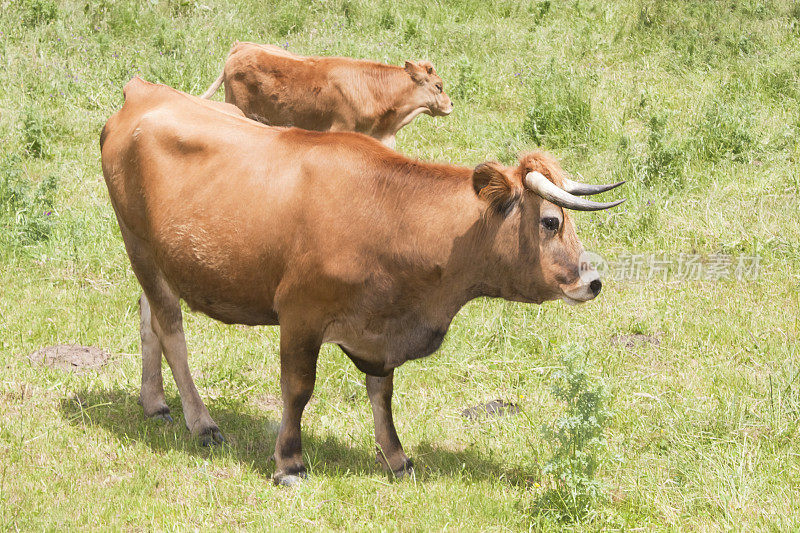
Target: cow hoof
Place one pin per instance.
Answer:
(211, 437)
(287, 480)
(406, 470)
(159, 412)
(164, 416)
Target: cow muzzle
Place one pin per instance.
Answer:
(443, 109)
(583, 293)
(588, 285)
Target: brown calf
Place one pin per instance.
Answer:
(279, 88)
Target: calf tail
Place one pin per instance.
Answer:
(214, 86)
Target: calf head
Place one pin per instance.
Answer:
(429, 89)
(535, 246)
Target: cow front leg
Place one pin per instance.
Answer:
(389, 450)
(151, 396)
(298, 374)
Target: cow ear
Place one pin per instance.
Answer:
(427, 65)
(493, 186)
(414, 71)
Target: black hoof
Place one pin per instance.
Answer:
(211, 437)
(161, 413)
(288, 481)
(406, 470)
(164, 416)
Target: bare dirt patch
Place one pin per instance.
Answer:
(634, 339)
(71, 357)
(493, 409)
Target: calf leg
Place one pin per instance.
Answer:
(298, 373)
(389, 450)
(151, 395)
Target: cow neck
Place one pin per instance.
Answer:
(470, 269)
(396, 111)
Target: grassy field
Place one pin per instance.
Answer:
(696, 103)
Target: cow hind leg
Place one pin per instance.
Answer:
(166, 321)
(151, 395)
(168, 325)
(299, 353)
(389, 451)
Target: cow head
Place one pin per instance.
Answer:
(535, 245)
(429, 90)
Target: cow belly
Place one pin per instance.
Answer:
(228, 291)
(250, 315)
(377, 353)
(229, 299)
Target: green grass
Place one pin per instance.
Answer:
(696, 103)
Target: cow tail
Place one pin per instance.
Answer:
(214, 86)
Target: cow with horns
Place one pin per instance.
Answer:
(331, 236)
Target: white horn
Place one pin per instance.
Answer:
(548, 190)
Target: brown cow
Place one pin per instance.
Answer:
(332, 236)
(279, 88)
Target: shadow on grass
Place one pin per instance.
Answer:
(251, 439)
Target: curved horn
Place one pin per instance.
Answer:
(585, 189)
(551, 192)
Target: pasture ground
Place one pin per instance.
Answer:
(696, 103)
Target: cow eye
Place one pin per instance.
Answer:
(550, 223)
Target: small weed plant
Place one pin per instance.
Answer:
(578, 443)
(26, 209)
(34, 133)
(561, 112)
(36, 12)
(664, 160)
(725, 130)
(467, 83)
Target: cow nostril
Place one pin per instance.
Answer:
(595, 286)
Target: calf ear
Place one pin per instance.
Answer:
(414, 71)
(492, 185)
(427, 65)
